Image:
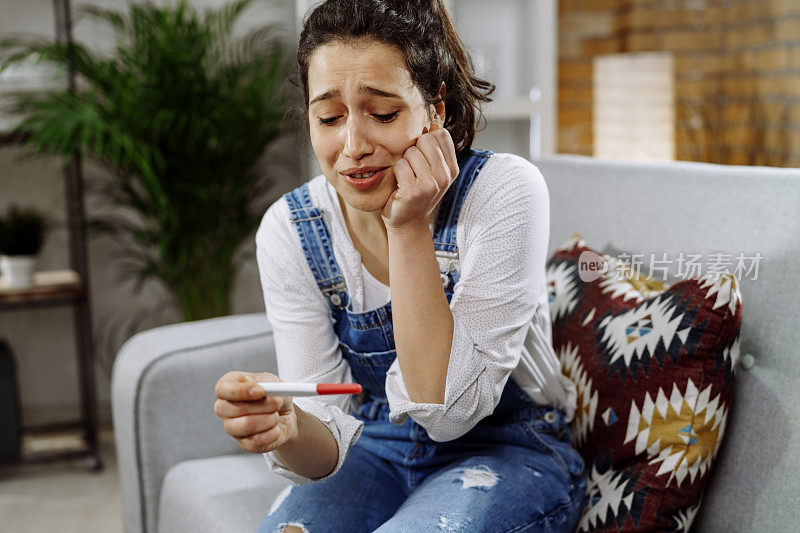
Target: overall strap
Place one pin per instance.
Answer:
(316, 242)
(444, 238)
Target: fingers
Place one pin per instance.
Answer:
(421, 168)
(437, 148)
(238, 386)
(406, 180)
(254, 419)
(230, 409)
(436, 163)
(242, 386)
(245, 426)
(445, 141)
(266, 376)
(432, 157)
(261, 442)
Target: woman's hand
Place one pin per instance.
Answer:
(423, 174)
(260, 423)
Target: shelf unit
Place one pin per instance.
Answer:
(513, 44)
(75, 293)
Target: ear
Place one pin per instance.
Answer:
(439, 108)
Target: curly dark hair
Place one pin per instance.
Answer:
(424, 34)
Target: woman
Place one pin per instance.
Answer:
(462, 424)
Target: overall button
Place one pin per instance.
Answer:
(550, 417)
(445, 279)
(336, 299)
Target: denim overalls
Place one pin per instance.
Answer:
(515, 470)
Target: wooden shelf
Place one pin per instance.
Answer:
(49, 288)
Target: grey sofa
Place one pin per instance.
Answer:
(181, 472)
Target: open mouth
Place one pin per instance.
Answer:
(365, 180)
(365, 175)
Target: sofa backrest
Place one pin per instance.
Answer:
(702, 209)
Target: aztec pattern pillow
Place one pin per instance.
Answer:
(653, 365)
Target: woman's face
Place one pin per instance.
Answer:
(364, 112)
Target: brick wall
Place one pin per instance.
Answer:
(737, 72)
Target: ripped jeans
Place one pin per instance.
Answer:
(513, 474)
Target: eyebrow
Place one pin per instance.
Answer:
(372, 91)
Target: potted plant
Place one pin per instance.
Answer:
(181, 114)
(22, 234)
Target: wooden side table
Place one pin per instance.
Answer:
(53, 288)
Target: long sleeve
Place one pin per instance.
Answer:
(502, 249)
(306, 345)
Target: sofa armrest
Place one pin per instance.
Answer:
(162, 393)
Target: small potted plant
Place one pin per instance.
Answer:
(22, 233)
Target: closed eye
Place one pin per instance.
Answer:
(328, 121)
(381, 118)
(386, 118)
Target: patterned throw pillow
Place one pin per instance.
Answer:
(654, 368)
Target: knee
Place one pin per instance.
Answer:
(293, 529)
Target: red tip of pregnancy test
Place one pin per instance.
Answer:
(338, 388)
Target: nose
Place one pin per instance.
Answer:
(356, 143)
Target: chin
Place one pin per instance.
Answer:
(369, 201)
(366, 205)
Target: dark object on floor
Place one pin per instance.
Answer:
(10, 431)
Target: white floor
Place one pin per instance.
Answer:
(63, 496)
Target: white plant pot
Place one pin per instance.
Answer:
(17, 270)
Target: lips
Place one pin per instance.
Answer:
(365, 183)
(358, 172)
(363, 175)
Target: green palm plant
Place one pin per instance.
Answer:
(181, 115)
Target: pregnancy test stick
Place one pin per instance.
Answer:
(280, 388)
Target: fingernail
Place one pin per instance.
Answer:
(256, 391)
